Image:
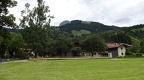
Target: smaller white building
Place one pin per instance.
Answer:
(117, 49)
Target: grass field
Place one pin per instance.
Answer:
(92, 69)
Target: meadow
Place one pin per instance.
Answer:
(89, 69)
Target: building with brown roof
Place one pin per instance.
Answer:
(117, 49)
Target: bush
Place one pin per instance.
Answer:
(21, 55)
(76, 51)
(139, 55)
(131, 54)
(104, 54)
(0, 59)
(121, 57)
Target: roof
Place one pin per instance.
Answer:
(115, 45)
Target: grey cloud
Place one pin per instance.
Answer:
(117, 12)
(110, 12)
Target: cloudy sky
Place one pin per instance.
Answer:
(109, 12)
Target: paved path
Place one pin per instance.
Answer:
(14, 61)
(3, 62)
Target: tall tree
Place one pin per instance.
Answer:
(63, 45)
(5, 44)
(117, 37)
(36, 24)
(135, 46)
(142, 46)
(17, 43)
(93, 44)
(37, 17)
(6, 21)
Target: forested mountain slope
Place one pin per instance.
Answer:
(93, 27)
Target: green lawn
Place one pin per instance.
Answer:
(92, 69)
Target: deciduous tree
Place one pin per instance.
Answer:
(36, 24)
(93, 44)
(63, 45)
(6, 21)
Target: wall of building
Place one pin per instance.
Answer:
(121, 51)
(114, 52)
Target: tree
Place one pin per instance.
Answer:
(63, 45)
(6, 21)
(76, 51)
(17, 44)
(117, 37)
(142, 46)
(1, 39)
(93, 44)
(5, 43)
(135, 46)
(37, 17)
(36, 24)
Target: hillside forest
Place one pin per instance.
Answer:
(35, 37)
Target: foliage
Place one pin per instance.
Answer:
(63, 45)
(76, 51)
(80, 33)
(17, 44)
(21, 55)
(139, 55)
(1, 39)
(37, 17)
(93, 44)
(36, 23)
(117, 37)
(6, 20)
(5, 42)
(142, 46)
(135, 46)
(93, 27)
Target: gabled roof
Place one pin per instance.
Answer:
(115, 45)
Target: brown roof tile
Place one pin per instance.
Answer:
(115, 45)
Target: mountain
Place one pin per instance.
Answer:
(135, 31)
(93, 27)
(64, 23)
(12, 30)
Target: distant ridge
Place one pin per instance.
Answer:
(94, 27)
(64, 23)
(13, 30)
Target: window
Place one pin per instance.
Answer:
(121, 48)
(122, 54)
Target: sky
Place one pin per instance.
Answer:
(120, 13)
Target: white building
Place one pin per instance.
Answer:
(117, 49)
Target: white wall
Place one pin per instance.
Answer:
(121, 51)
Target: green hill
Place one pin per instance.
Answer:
(93, 27)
